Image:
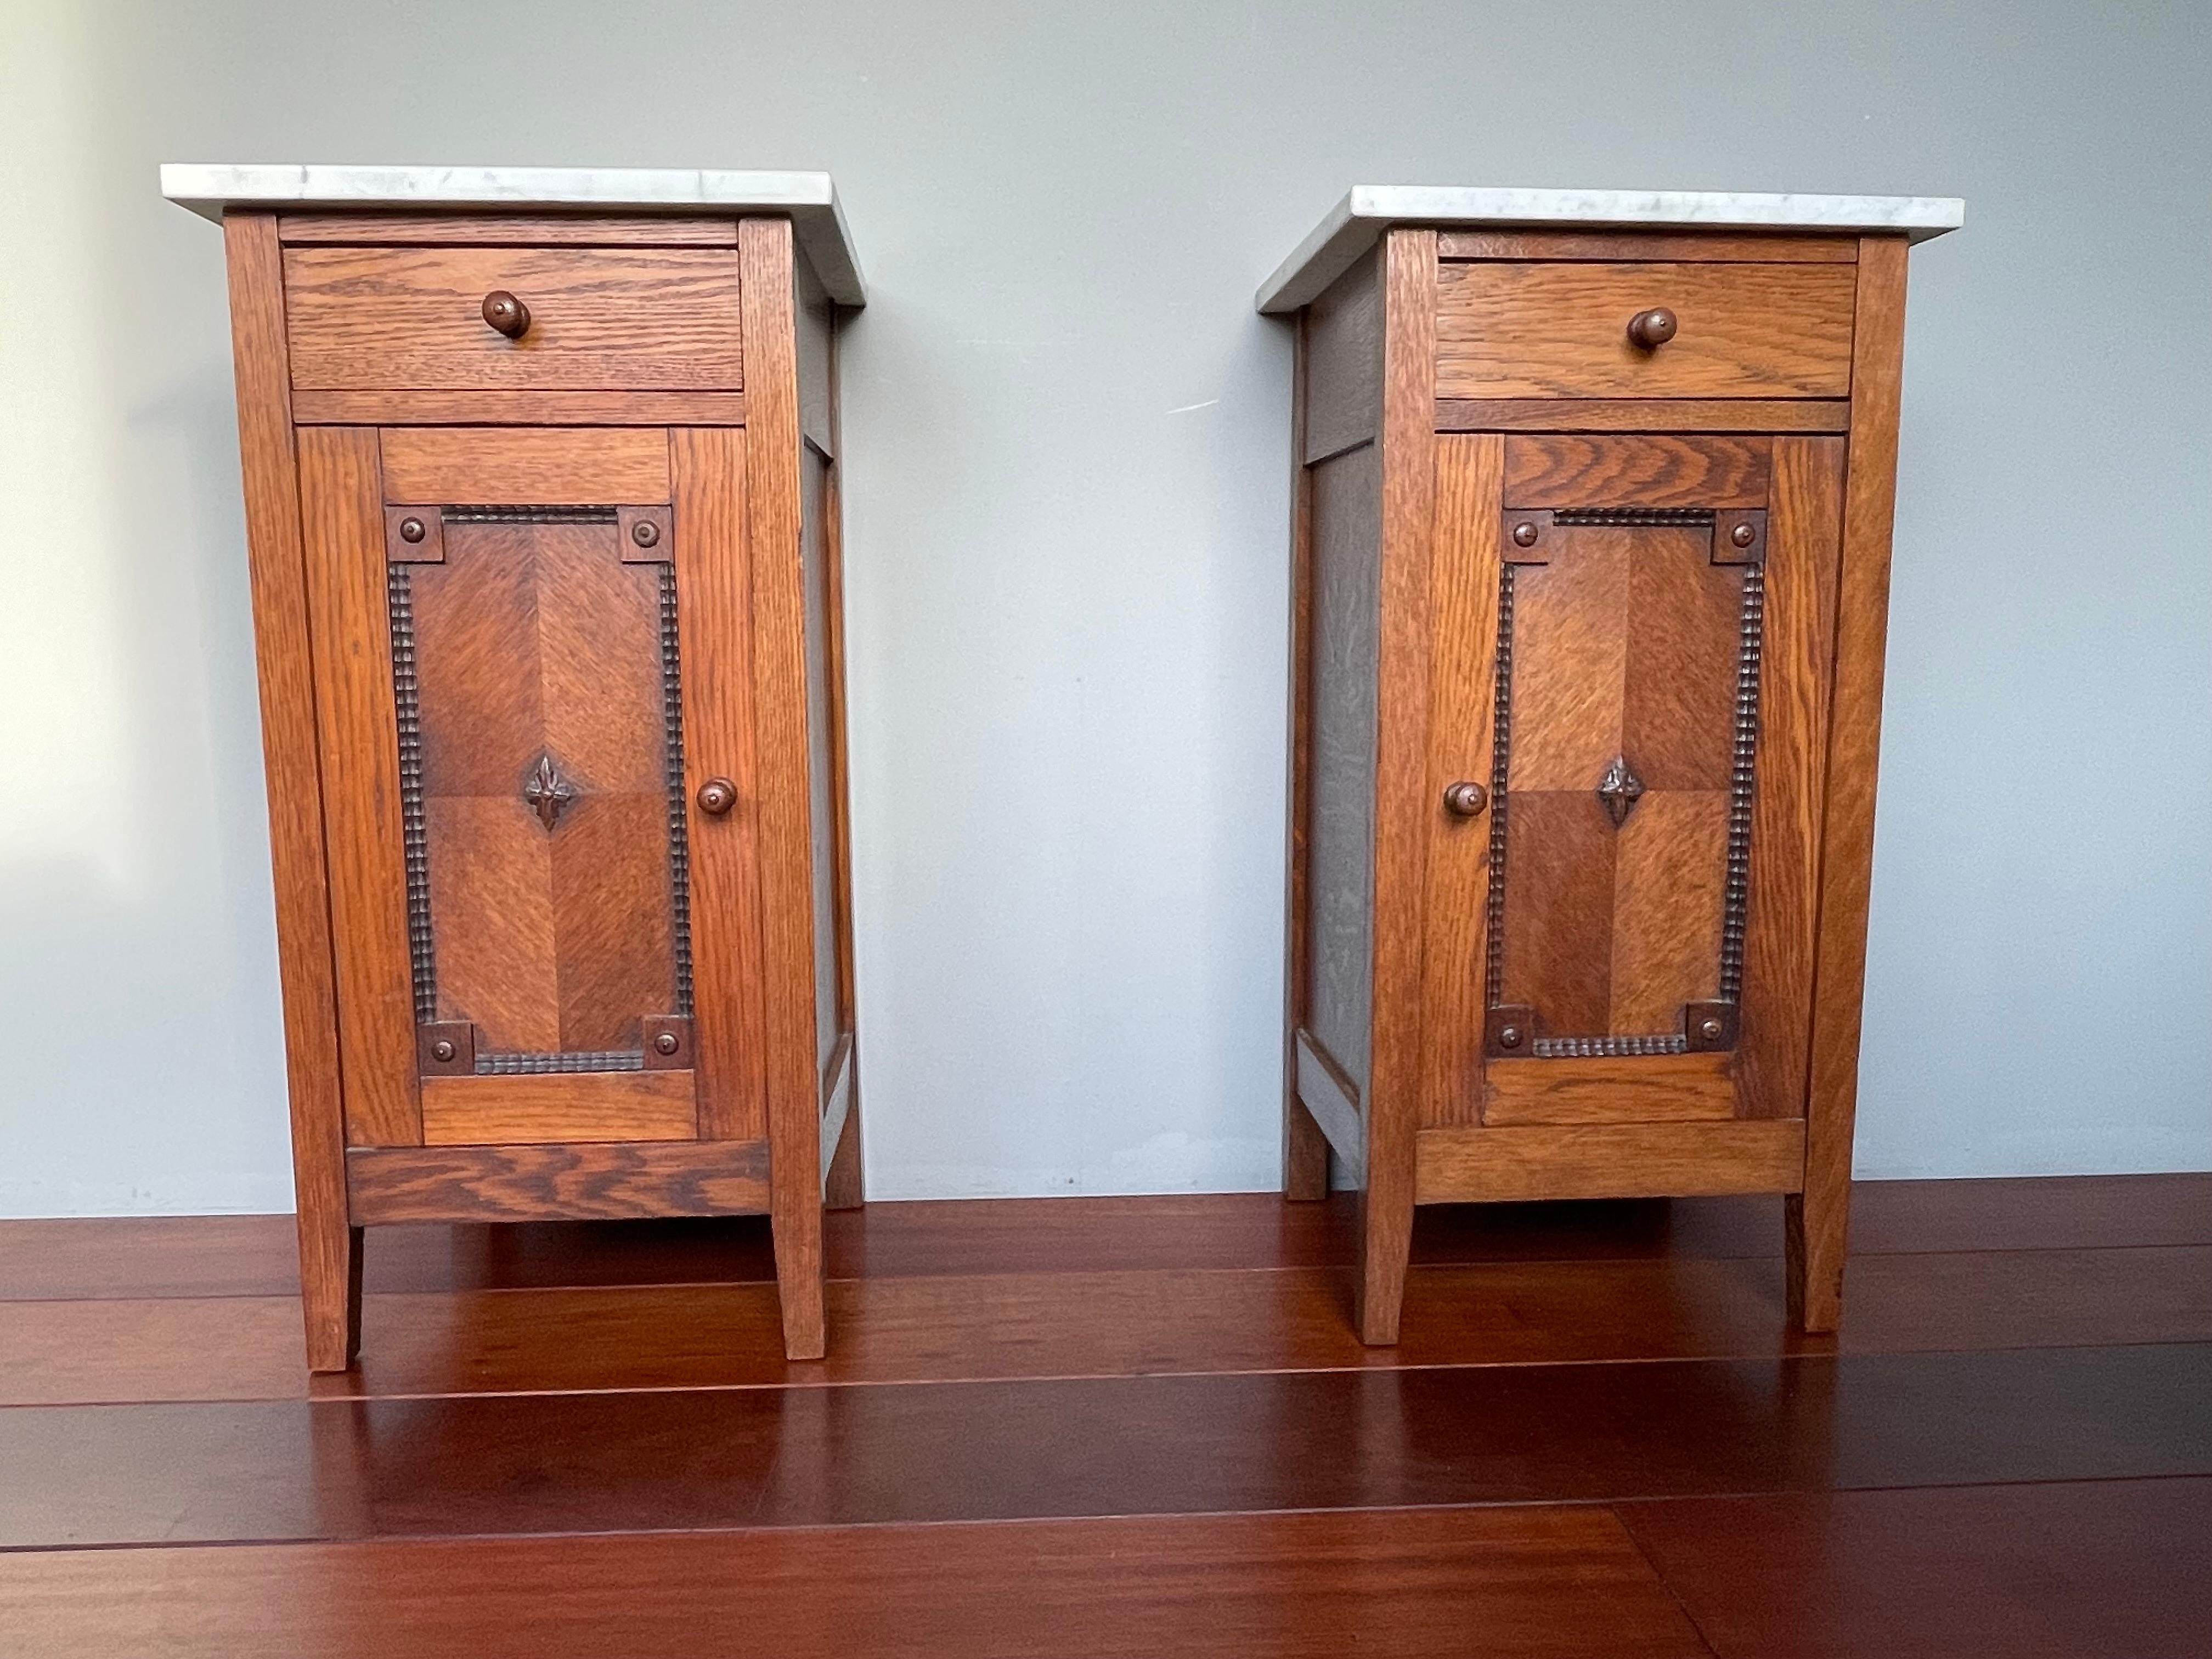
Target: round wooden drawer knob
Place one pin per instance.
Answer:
(717, 796)
(1466, 800)
(507, 313)
(1652, 329)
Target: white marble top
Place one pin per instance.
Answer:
(809, 199)
(1355, 223)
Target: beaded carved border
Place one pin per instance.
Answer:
(528, 515)
(511, 1064)
(1742, 781)
(1501, 742)
(407, 701)
(679, 837)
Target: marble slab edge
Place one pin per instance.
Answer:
(809, 199)
(1357, 221)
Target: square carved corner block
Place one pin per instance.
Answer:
(542, 522)
(1592, 554)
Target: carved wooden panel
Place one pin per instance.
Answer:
(537, 682)
(1628, 659)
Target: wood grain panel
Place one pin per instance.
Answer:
(1642, 414)
(330, 1250)
(613, 319)
(598, 658)
(1734, 246)
(1528, 330)
(1558, 924)
(1684, 640)
(658, 408)
(1817, 1228)
(1571, 625)
(1646, 1089)
(537, 640)
(497, 467)
(1343, 400)
(1641, 1160)
(1670, 875)
(713, 615)
(519, 229)
(483, 719)
(1401, 812)
(1636, 470)
(843, 1180)
(610, 889)
(785, 821)
(341, 516)
(566, 1107)
(1539, 1583)
(608, 1182)
(1344, 529)
(826, 852)
(493, 920)
(477, 630)
(1305, 1145)
(1804, 529)
(1463, 609)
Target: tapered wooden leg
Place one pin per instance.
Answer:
(1386, 1241)
(798, 1280)
(1305, 1153)
(330, 1293)
(843, 1190)
(1815, 1225)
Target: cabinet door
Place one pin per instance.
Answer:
(534, 703)
(1633, 638)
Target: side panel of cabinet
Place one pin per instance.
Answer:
(820, 559)
(1335, 556)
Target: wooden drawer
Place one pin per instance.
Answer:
(601, 320)
(1507, 329)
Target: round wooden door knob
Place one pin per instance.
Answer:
(507, 313)
(1466, 800)
(717, 796)
(1652, 329)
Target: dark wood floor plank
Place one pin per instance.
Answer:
(910, 1330)
(814, 1456)
(2081, 1570)
(1098, 1324)
(1542, 1583)
(252, 1255)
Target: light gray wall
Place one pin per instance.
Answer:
(1066, 486)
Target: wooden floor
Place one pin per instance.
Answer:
(1127, 1426)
